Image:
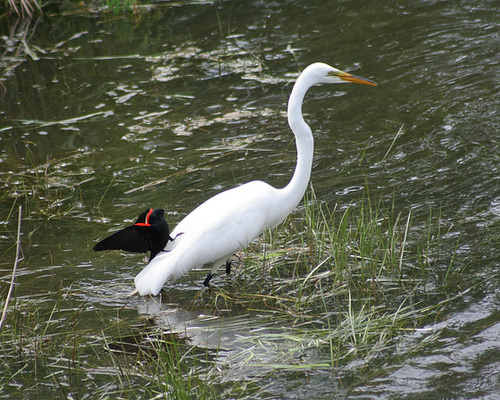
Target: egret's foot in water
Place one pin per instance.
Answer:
(210, 275)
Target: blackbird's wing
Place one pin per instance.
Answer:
(143, 217)
(133, 238)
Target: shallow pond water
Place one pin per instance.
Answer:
(105, 115)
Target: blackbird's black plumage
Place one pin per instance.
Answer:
(150, 232)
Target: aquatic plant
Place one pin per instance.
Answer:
(24, 8)
(49, 189)
(347, 283)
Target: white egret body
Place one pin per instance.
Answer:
(229, 221)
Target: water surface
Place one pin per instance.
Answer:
(189, 99)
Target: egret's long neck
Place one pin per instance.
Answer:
(292, 193)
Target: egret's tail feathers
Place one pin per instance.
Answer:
(152, 278)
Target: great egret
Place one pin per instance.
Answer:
(229, 221)
(150, 232)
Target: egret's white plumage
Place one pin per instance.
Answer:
(229, 221)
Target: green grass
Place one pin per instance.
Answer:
(118, 6)
(348, 283)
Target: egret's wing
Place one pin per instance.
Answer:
(212, 232)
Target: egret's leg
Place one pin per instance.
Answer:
(229, 264)
(215, 267)
(207, 279)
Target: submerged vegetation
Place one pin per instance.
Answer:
(51, 188)
(331, 289)
(34, 8)
(31, 8)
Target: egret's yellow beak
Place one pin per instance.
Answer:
(355, 79)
